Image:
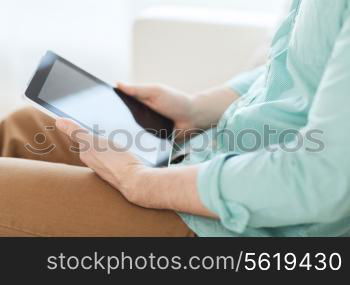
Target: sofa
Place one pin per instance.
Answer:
(197, 48)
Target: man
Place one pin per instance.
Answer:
(223, 189)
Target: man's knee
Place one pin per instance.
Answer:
(28, 115)
(23, 127)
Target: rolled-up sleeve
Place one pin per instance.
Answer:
(242, 83)
(276, 189)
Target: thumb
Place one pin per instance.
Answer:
(73, 130)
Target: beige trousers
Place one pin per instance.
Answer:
(46, 191)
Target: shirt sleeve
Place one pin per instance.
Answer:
(276, 189)
(242, 83)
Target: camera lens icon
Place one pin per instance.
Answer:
(40, 139)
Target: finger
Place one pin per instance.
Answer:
(73, 130)
(140, 91)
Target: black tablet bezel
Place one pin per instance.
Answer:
(38, 80)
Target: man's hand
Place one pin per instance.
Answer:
(191, 113)
(168, 188)
(171, 103)
(113, 164)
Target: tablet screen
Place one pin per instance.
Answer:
(107, 112)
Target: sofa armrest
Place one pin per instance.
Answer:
(194, 48)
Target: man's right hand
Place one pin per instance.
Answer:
(191, 114)
(171, 103)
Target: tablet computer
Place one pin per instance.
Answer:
(61, 89)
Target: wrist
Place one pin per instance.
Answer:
(208, 107)
(142, 189)
(155, 188)
(196, 111)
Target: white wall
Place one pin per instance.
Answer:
(269, 6)
(94, 34)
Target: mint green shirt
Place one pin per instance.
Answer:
(265, 189)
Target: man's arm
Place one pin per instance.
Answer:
(171, 188)
(209, 106)
(276, 189)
